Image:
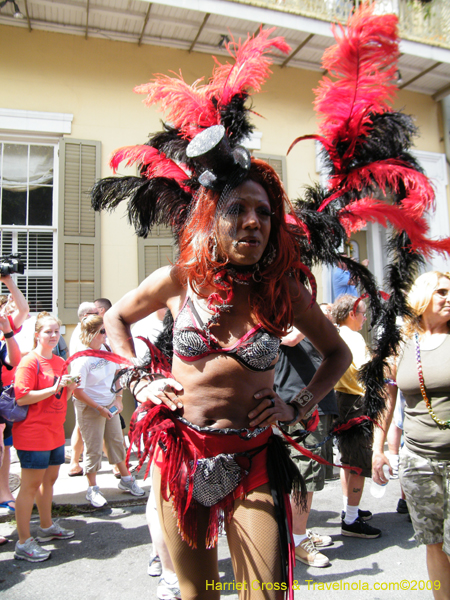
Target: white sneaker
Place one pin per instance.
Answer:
(55, 532)
(31, 551)
(95, 497)
(320, 541)
(168, 589)
(131, 486)
(154, 568)
(308, 554)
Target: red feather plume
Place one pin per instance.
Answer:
(358, 213)
(157, 164)
(140, 154)
(192, 108)
(364, 63)
(250, 69)
(387, 175)
(187, 107)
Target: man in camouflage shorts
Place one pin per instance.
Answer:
(296, 366)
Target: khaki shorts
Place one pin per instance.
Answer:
(426, 484)
(94, 429)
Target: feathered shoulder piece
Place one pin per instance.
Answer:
(373, 177)
(170, 172)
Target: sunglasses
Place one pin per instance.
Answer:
(102, 331)
(443, 292)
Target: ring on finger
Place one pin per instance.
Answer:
(164, 388)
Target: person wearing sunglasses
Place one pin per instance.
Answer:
(97, 407)
(75, 345)
(420, 371)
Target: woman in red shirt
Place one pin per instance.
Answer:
(40, 439)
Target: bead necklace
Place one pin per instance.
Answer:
(441, 424)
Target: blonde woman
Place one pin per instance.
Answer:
(97, 408)
(40, 438)
(422, 374)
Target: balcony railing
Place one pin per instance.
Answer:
(424, 22)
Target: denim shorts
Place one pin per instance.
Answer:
(41, 459)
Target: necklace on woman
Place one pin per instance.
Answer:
(440, 423)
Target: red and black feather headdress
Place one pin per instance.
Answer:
(169, 174)
(373, 177)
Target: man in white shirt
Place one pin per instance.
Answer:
(102, 305)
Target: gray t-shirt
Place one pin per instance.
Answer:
(422, 434)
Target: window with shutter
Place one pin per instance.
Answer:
(28, 215)
(278, 163)
(156, 251)
(79, 227)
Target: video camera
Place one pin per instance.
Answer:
(11, 264)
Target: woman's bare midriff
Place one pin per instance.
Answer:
(219, 391)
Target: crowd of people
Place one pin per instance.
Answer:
(42, 383)
(40, 441)
(249, 381)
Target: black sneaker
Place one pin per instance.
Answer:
(402, 507)
(365, 515)
(359, 529)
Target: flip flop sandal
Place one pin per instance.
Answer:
(3, 540)
(76, 474)
(7, 505)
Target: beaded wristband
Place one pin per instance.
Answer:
(303, 397)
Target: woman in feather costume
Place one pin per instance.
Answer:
(234, 290)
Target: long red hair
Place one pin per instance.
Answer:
(270, 298)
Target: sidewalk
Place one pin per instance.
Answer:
(72, 490)
(109, 554)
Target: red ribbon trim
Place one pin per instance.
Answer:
(115, 358)
(317, 458)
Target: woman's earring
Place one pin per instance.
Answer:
(257, 274)
(269, 257)
(214, 248)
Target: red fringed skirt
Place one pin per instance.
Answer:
(208, 466)
(213, 467)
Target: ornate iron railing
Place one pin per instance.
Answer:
(419, 20)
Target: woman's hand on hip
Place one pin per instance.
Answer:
(270, 410)
(160, 391)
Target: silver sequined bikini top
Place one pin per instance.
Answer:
(256, 350)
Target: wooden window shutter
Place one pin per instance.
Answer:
(276, 162)
(78, 227)
(158, 250)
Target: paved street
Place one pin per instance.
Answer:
(108, 556)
